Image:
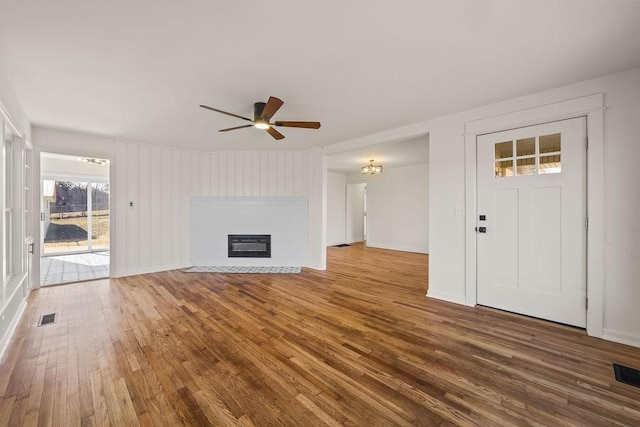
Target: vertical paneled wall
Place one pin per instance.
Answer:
(152, 187)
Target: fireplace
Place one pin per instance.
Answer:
(249, 246)
(213, 219)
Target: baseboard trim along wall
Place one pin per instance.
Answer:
(397, 248)
(621, 337)
(6, 338)
(159, 269)
(443, 296)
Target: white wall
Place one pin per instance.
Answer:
(153, 234)
(336, 185)
(621, 205)
(398, 208)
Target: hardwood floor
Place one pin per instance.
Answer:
(358, 344)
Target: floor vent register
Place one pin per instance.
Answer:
(47, 319)
(627, 375)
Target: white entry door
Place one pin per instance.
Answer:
(531, 221)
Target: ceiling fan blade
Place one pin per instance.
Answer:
(224, 112)
(307, 125)
(272, 106)
(274, 133)
(234, 128)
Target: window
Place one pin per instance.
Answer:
(12, 182)
(531, 156)
(12, 206)
(8, 205)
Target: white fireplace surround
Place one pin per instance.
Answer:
(214, 218)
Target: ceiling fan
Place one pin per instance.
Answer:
(262, 114)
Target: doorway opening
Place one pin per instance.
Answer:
(356, 212)
(75, 218)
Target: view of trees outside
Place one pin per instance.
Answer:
(68, 229)
(100, 215)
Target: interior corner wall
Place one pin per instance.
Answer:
(336, 196)
(398, 208)
(151, 187)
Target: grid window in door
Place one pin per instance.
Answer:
(530, 156)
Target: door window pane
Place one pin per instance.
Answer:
(550, 164)
(504, 150)
(526, 147)
(550, 143)
(504, 168)
(526, 166)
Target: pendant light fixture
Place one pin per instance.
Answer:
(371, 168)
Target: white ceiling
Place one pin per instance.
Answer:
(391, 154)
(137, 70)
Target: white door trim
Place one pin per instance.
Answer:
(592, 107)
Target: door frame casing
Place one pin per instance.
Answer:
(591, 107)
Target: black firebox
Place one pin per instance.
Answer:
(249, 245)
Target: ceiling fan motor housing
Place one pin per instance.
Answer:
(258, 107)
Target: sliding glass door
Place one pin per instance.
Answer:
(99, 236)
(75, 215)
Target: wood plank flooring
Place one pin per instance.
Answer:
(356, 345)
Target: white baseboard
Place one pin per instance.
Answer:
(444, 296)
(397, 248)
(4, 343)
(349, 242)
(135, 272)
(317, 266)
(621, 337)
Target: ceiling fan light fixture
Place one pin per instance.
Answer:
(371, 168)
(262, 114)
(100, 162)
